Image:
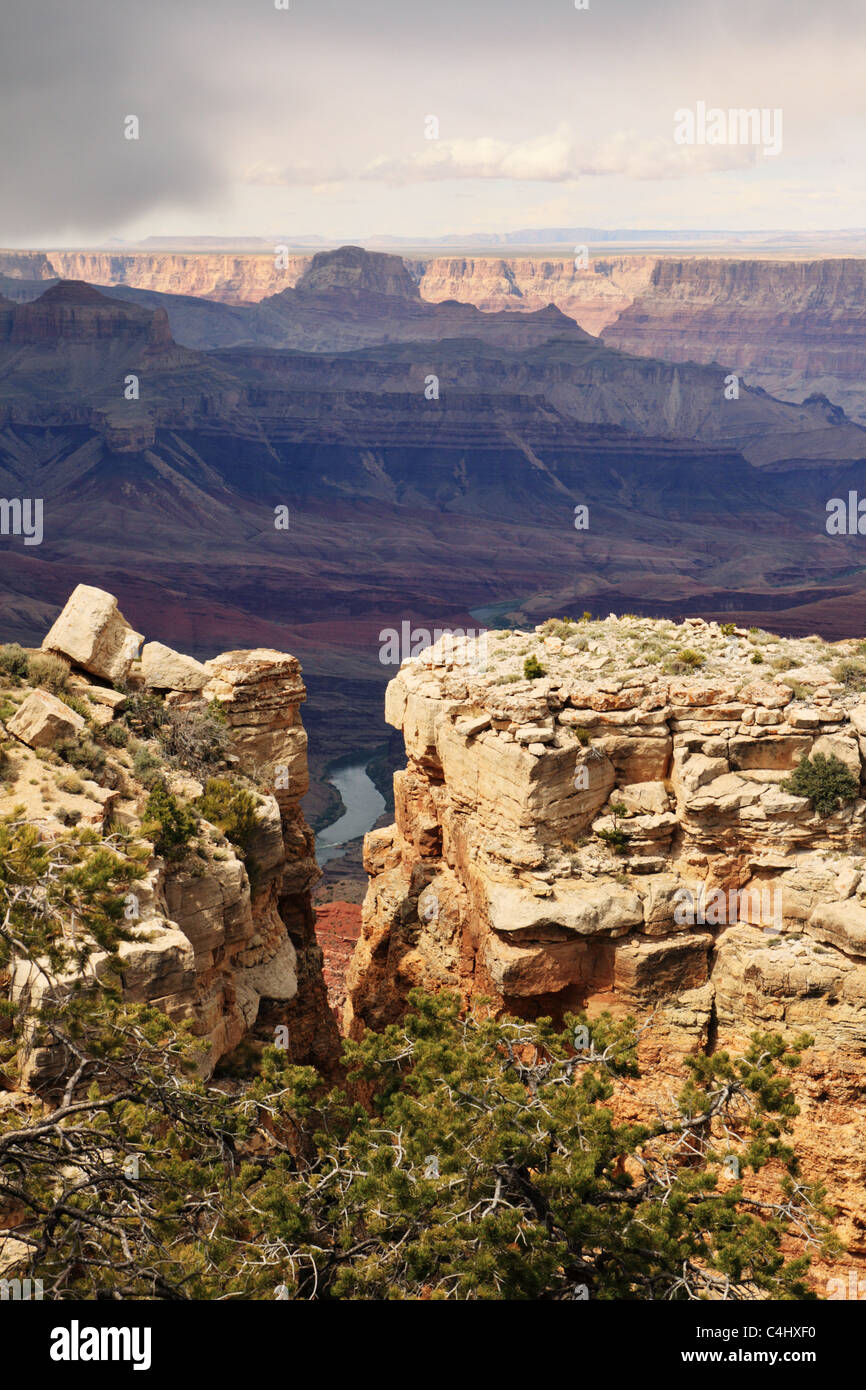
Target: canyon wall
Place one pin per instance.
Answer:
(792, 327)
(594, 297)
(608, 836)
(232, 278)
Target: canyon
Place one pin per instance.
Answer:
(792, 325)
(697, 503)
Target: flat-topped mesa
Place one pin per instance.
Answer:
(549, 831)
(75, 312)
(225, 935)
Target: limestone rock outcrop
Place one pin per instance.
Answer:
(793, 327)
(221, 936)
(609, 836)
(594, 297)
(93, 633)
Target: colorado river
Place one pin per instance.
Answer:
(364, 805)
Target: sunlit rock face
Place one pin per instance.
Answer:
(612, 836)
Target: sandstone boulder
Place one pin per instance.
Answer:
(638, 759)
(587, 909)
(544, 968)
(842, 924)
(845, 749)
(43, 720)
(164, 669)
(648, 798)
(655, 969)
(94, 634)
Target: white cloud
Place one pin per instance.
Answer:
(557, 157)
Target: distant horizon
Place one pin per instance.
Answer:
(561, 240)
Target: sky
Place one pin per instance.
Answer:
(314, 120)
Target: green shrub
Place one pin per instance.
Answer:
(851, 673)
(756, 659)
(167, 823)
(48, 671)
(82, 752)
(146, 765)
(116, 735)
(798, 690)
(727, 629)
(583, 736)
(532, 669)
(196, 738)
(683, 661)
(74, 703)
(617, 839)
(825, 781)
(144, 712)
(14, 660)
(557, 627)
(232, 809)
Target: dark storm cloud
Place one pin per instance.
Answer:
(69, 74)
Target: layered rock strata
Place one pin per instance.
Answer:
(608, 836)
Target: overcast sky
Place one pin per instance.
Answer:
(255, 121)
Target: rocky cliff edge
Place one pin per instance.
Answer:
(223, 927)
